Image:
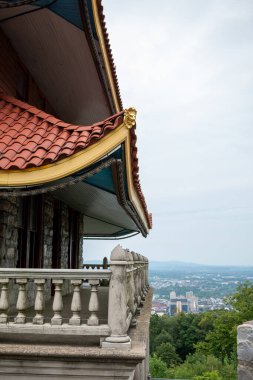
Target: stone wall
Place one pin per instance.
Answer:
(8, 232)
(245, 351)
(48, 231)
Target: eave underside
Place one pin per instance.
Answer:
(57, 53)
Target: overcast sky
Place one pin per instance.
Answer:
(187, 66)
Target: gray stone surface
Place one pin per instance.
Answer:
(245, 351)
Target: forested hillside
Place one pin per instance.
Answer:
(199, 346)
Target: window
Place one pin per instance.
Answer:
(30, 232)
(57, 222)
(74, 239)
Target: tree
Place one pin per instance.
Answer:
(161, 331)
(213, 375)
(242, 301)
(220, 340)
(187, 333)
(157, 367)
(167, 353)
(199, 364)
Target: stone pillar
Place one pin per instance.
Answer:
(117, 305)
(245, 351)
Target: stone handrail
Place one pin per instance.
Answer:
(56, 325)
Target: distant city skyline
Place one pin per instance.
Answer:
(187, 66)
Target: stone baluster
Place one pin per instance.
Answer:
(105, 263)
(117, 308)
(128, 290)
(143, 294)
(21, 301)
(4, 301)
(76, 303)
(131, 290)
(57, 304)
(39, 304)
(137, 282)
(146, 271)
(144, 275)
(140, 277)
(93, 304)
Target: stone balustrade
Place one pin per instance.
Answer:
(127, 275)
(56, 325)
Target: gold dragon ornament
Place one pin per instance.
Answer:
(130, 117)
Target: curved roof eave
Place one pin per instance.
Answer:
(32, 143)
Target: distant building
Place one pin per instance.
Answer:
(182, 304)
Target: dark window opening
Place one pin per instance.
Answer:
(74, 239)
(57, 221)
(30, 232)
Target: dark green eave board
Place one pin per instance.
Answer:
(103, 180)
(67, 9)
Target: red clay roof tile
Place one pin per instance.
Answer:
(30, 137)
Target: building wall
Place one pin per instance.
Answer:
(8, 232)
(8, 72)
(15, 79)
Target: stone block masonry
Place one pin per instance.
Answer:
(245, 351)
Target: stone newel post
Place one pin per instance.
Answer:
(117, 307)
(245, 351)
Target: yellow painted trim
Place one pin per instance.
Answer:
(66, 166)
(76, 162)
(104, 53)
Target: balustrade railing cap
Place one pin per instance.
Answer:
(118, 254)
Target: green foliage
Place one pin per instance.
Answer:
(157, 367)
(242, 301)
(213, 375)
(220, 339)
(161, 331)
(167, 353)
(187, 333)
(199, 365)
